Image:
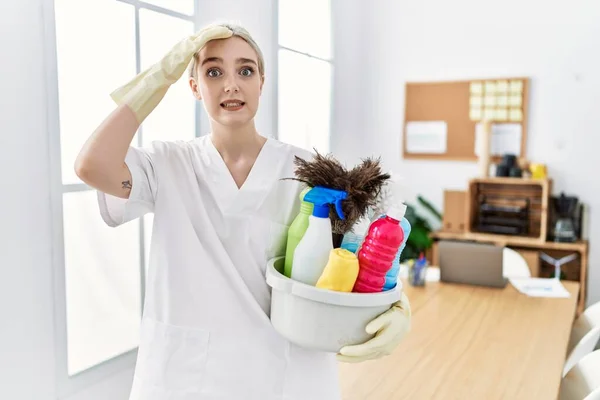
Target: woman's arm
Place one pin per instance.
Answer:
(101, 161)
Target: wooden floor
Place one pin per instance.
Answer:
(471, 342)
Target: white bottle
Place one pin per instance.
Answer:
(312, 253)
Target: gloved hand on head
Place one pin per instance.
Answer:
(143, 93)
(389, 329)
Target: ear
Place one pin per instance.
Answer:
(195, 89)
(262, 82)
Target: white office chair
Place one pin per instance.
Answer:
(583, 381)
(583, 347)
(595, 395)
(514, 265)
(587, 320)
(584, 337)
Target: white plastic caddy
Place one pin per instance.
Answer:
(320, 319)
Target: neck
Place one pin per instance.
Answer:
(238, 141)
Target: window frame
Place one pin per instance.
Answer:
(68, 385)
(331, 60)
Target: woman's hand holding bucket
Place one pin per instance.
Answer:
(389, 329)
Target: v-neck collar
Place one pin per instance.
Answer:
(247, 198)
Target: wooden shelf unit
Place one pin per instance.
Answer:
(535, 193)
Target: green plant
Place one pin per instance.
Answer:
(419, 239)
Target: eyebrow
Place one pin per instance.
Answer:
(240, 60)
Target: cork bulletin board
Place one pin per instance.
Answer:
(441, 118)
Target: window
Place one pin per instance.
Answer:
(96, 46)
(305, 73)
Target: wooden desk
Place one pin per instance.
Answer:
(471, 343)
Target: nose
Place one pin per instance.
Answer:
(231, 86)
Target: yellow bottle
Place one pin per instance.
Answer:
(341, 271)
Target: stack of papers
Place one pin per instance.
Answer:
(540, 287)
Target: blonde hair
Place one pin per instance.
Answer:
(240, 32)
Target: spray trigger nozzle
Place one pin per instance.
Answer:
(322, 196)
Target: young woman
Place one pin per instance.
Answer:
(221, 211)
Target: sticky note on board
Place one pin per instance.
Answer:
(476, 101)
(501, 114)
(490, 87)
(490, 101)
(515, 100)
(476, 88)
(475, 114)
(501, 87)
(502, 101)
(515, 114)
(516, 87)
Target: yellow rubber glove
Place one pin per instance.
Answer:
(341, 271)
(390, 328)
(143, 93)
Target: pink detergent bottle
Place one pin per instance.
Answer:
(378, 250)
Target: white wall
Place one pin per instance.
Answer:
(557, 46)
(347, 123)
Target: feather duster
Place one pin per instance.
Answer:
(362, 183)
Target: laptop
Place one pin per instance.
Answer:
(471, 263)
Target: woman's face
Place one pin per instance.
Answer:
(228, 81)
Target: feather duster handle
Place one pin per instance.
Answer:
(362, 183)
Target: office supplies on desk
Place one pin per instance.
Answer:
(540, 287)
(432, 274)
(417, 271)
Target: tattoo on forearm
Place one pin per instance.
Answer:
(126, 184)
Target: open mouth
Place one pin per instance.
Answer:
(232, 105)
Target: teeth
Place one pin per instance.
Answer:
(232, 104)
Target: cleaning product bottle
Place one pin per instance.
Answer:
(391, 278)
(340, 272)
(378, 250)
(296, 232)
(312, 253)
(353, 239)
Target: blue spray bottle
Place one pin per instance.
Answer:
(391, 278)
(353, 239)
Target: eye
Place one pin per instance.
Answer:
(246, 71)
(213, 73)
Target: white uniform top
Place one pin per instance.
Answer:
(205, 332)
